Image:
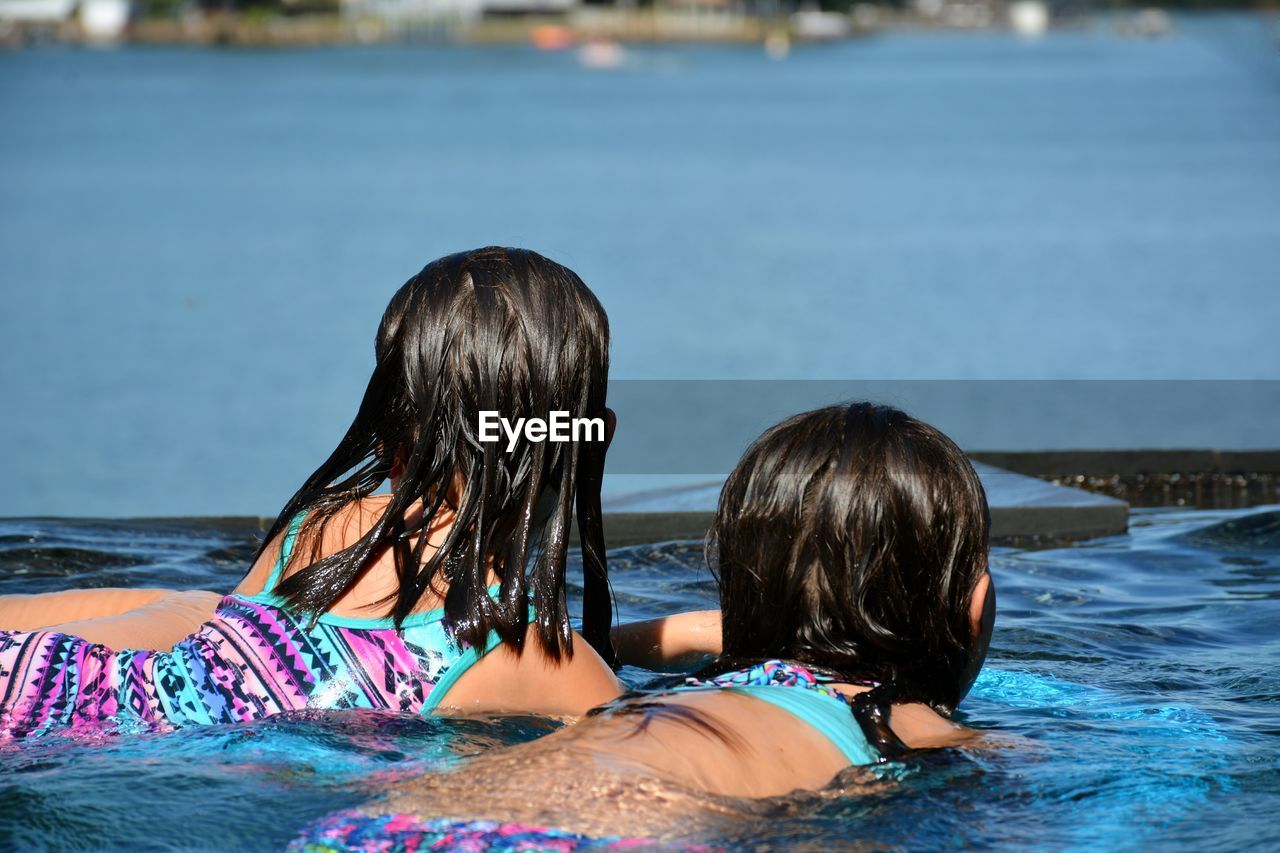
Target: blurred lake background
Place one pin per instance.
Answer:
(196, 244)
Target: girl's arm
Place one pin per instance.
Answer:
(125, 618)
(155, 625)
(31, 612)
(672, 642)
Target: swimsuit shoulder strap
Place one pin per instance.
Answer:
(830, 716)
(804, 694)
(286, 549)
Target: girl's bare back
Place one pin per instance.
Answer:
(652, 775)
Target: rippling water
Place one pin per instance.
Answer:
(1136, 680)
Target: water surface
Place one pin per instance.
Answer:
(1139, 675)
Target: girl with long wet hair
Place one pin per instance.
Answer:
(446, 592)
(850, 546)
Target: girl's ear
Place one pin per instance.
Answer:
(982, 607)
(982, 620)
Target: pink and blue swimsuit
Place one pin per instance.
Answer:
(253, 659)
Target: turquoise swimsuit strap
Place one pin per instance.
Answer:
(286, 548)
(802, 693)
(830, 716)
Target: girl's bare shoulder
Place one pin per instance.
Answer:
(532, 679)
(339, 531)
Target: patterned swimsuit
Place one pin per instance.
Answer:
(255, 658)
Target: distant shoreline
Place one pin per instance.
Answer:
(588, 25)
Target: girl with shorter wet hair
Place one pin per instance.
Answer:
(850, 546)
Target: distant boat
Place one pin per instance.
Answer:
(602, 54)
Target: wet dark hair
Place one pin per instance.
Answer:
(850, 539)
(503, 330)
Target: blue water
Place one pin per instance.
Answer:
(195, 245)
(1135, 681)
